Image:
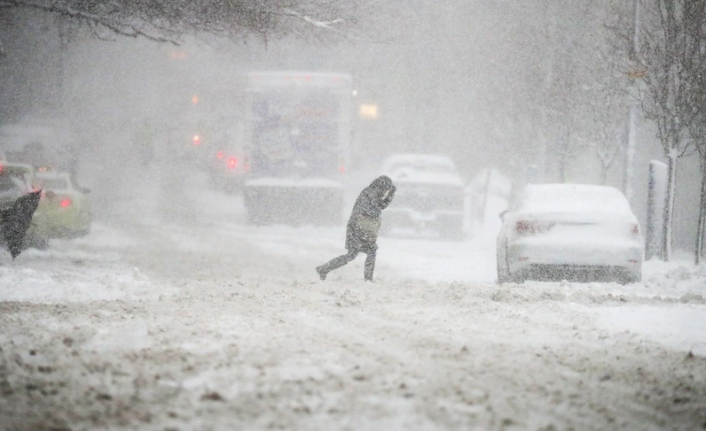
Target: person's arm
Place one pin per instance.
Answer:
(388, 198)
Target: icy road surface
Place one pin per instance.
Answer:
(219, 326)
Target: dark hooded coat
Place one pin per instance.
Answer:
(364, 222)
(15, 221)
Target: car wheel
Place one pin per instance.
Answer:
(625, 280)
(256, 218)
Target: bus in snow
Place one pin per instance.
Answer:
(297, 137)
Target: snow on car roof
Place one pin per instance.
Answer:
(573, 198)
(418, 159)
(421, 168)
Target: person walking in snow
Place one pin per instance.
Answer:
(363, 227)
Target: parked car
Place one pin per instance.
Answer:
(429, 195)
(66, 206)
(570, 232)
(16, 180)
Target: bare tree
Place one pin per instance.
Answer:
(665, 50)
(544, 124)
(609, 109)
(695, 75)
(610, 134)
(170, 20)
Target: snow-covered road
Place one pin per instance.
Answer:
(214, 325)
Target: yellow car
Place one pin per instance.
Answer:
(16, 180)
(66, 206)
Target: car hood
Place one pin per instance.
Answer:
(412, 177)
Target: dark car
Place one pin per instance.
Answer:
(430, 195)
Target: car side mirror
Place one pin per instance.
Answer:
(502, 215)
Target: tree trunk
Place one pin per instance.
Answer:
(669, 206)
(604, 174)
(701, 226)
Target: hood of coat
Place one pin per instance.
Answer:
(380, 185)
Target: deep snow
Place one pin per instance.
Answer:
(185, 318)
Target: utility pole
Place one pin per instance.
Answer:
(632, 114)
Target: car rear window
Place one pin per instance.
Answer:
(574, 198)
(11, 181)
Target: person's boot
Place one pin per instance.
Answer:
(321, 270)
(335, 263)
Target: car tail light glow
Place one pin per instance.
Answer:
(220, 155)
(232, 162)
(524, 227)
(342, 169)
(65, 203)
(197, 140)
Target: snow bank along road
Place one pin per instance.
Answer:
(223, 327)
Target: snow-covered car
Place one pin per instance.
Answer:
(570, 232)
(66, 206)
(430, 194)
(16, 181)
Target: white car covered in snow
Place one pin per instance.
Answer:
(570, 232)
(430, 194)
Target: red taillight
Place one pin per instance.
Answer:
(219, 155)
(342, 169)
(65, 203)
(232, 162)
(197, 140)
(524, 227)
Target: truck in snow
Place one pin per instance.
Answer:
(297, 137)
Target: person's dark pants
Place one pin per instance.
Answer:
(346, 258)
